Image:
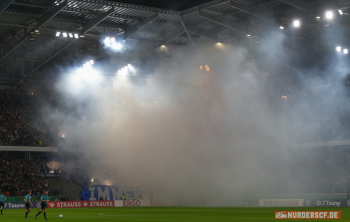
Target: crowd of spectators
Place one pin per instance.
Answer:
(316, 170)
(18, 176)
(325, 115)
(20, 123)
(330, 125)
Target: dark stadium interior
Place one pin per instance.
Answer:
(133, 103)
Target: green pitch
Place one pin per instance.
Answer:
(163, 214)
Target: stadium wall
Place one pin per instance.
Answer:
(20, 198)
(320, 144)
(28, 148)
(195, 203)
(303, 196)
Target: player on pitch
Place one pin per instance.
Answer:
(28, 201)
(44, 201)
(2, 202)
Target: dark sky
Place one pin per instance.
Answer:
(178, 5)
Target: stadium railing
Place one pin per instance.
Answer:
(75, 187)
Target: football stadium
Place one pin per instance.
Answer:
(174, 110)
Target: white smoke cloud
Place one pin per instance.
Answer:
(179, 129)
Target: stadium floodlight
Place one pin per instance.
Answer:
(82, 36)
(340, 12)
(219, 43)
(329, 15)
(248, 35)
(338, 49)
(117, 45)
(107, 41)
(131, 68)
(64, 34)
(345, 51)
(281, 27)
(70, 35)
(296, 23)
(58, 34)
(88, 64)
(113, 43)
(76, 36)
(36, 30)
(91, 62)
(123, 71)
(318, 17)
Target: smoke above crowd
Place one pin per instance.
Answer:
(174, 127)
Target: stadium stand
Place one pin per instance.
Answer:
(316, 170)
(20, 124)
(70, 177)
(327, 119)
(18, 176)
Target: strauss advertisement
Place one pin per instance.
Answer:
(77, 204)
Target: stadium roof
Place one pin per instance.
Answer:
(168, 4)
(30, 50)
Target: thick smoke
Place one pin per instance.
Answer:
(177, 130)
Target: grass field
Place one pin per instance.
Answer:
(163, 214)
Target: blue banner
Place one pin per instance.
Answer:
(111, 193)
(49, 174)
(21, 205)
